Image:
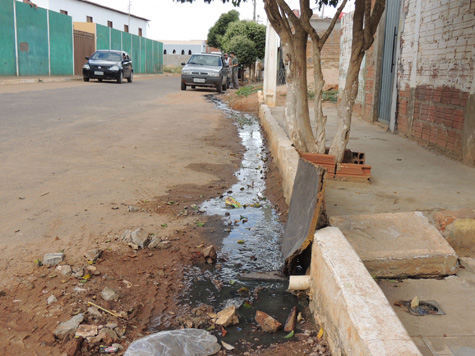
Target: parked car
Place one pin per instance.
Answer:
(205, 70)
(105, 64)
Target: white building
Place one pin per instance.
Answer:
(87, 11)
(183, 47)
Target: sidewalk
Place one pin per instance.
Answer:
(406, 177)
(56, 79)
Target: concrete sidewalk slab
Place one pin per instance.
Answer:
(398, 244)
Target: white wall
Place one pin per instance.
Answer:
(79, 11)
(194, 48)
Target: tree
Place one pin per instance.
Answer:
(251, 30)
(293, 32)
(216, 32)
(244, 48)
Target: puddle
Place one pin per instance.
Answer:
(252, 244)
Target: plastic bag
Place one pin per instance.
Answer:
(190, 342)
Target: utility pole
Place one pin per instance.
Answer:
(254, 16)
(130, 1)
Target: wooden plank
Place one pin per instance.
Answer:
(304, 211)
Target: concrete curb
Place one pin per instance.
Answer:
(344, 297)
(348, 303)
(284, 154)
(20, 80)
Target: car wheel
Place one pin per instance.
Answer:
(183, 86)
(86, 79)
(120, 77)
(99, 80)
(193, 87)
(130, 78)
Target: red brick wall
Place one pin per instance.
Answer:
(330, 51)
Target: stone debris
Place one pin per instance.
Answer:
(78, 272)
(69, 327)
(65, 270)
(154, 243)
(52, 259)
(109, 294)
(93, 255)
(267, 323)
(94, 311)
(133, 209)
(140, 238)
(210, 254)
(51, 299)
(228, 316)
(106, 335)
(86, 331)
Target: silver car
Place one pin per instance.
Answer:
(205, 70)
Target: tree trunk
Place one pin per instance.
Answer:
(345, 106)
(320, 119)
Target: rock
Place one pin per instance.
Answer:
(93, 255)
(106, 335)
(291, 320)
(109, 294)
(228, 316)
(164, 245)
(133, 209)
(267, 323)
(68, 327)
(154, 243)
(65, 270)
(51, 299)
(94, 311)
(120, 331)
(139, 238)
(78, 272)
(72, 347)
(52, 259)
(86, 331)
(126, 236)
(111, 325)
(210, 254)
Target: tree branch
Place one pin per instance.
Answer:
(332, 24)
(367, 28)
(378, 10)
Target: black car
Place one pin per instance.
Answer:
(105, 64)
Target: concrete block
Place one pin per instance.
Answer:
(398, 244)
(348, 303)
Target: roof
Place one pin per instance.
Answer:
(111, 9)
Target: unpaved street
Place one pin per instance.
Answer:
(74, 157)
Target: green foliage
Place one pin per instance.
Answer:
(216, 32)
(244, 48)
(330, 95)
(253, 31)
(248, 90)
(172, 69)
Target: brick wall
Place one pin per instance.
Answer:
(330, 51)
(436, 75)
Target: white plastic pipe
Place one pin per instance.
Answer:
(299, 282)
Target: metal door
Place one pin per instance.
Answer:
(389, 69)
(84, 46)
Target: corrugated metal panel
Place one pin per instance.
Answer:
(389, 58)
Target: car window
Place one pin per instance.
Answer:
(205, 60)
(106, 56)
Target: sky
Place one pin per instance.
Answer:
(171, 20)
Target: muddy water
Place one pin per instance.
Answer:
(252, 241)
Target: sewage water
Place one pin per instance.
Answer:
(252, 243)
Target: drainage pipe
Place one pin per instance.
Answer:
(299, 282)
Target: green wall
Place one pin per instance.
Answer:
(7, 38)
(102, 37)
(127, 42)
(61, 45)
(32, 40)
(116, 39)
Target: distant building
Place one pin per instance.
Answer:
(183, 47)
(87, 11)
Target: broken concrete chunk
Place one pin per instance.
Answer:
(86, 331)
(68, 327)
(65, 270)
(126, 236)
(267, 323)
(52, 259)
(228, 316)
(109, 294)
(51, 299)
(140, 238)
(210, 254)
(108, 336)
(154, 243)
(94, 311)
(93, 255)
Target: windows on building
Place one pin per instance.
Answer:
(126, 28)
(64, 12)
(109, 24)
(189, 51)
(89, 19)
(140, 32)
(182, 51)
(164, 51)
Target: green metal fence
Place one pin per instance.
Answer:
(36, 41)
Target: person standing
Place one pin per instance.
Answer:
(234, 66)
(227, 62)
